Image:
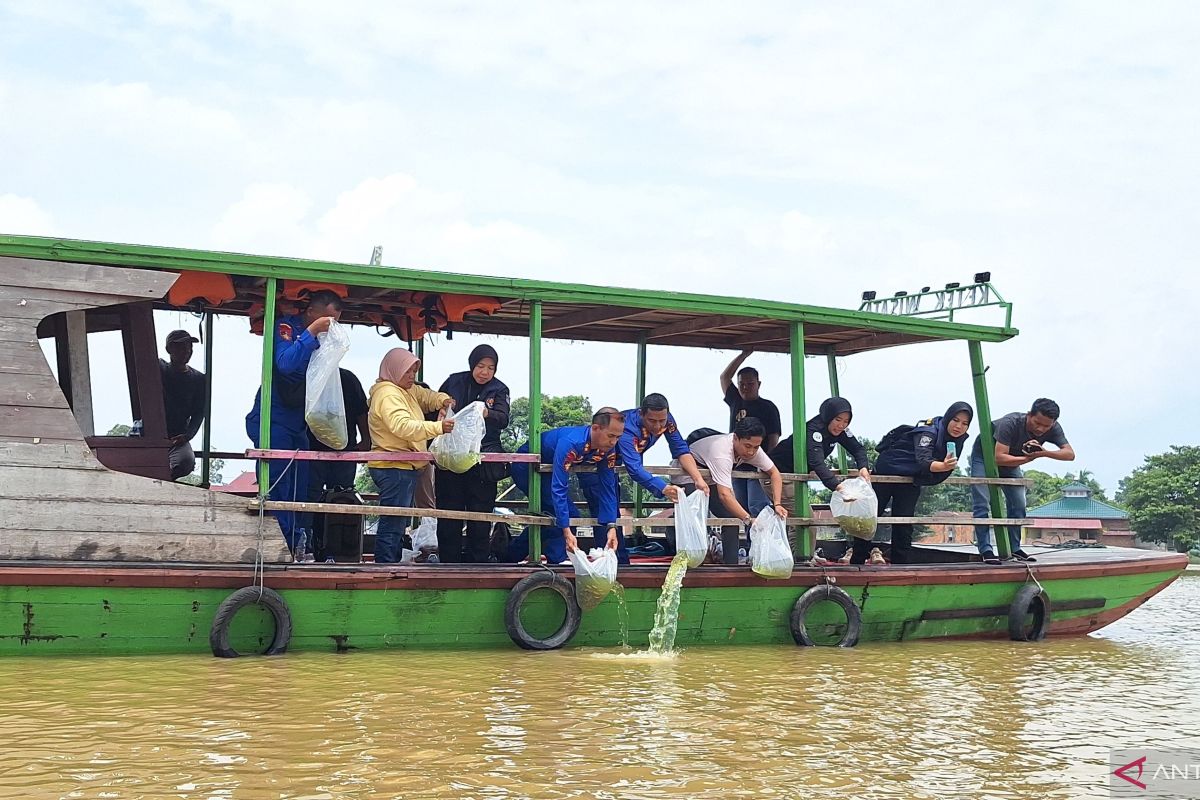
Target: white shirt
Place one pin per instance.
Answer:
(716, 454)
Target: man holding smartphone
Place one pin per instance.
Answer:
(1019, 439)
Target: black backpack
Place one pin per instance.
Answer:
(339, 536)
(894, 438)
(701, 433)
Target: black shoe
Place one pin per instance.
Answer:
(1021, 555)
(990, 558)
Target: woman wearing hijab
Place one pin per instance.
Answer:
(928, 453)
(475, 489)
(831, 427)
(398, 425)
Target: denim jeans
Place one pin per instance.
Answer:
(396, 488)
(1014, 501)
(750, 494)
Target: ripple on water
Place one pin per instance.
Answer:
(916, 720)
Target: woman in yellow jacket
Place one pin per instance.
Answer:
(397, 421)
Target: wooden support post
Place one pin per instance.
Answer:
(206, 441)
(805, 539)
(80, 371)
(268, 372)
(983, 413)
(535, 425)
(420, 353)
(835, 391)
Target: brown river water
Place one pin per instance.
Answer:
(919, 720)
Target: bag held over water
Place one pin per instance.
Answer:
(594, 579)
(770, 553)
(855, 507)
(324, 407)
(691, 528)
(458, 450)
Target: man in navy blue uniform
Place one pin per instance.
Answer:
(295, 342)
(644, 426)
(576, 445)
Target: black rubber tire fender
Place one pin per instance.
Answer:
(818, 594)
(1030, 599)
(542, 579)
(218, 636)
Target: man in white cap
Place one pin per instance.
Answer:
(183, 397)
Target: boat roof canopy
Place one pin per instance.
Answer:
(570, 310)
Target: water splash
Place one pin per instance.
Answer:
(666, 617)
(622, 614)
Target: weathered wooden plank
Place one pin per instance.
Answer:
(25, 421)
(32, 390)
(59, 483)
(75, 455)
(102, 545)
(22, 331)
(23, 358)
(81, 371)
(707, 323)
(591, 316)
(86, 278)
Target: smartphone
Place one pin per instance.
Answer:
(951, 450)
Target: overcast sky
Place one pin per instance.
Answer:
(776, 150)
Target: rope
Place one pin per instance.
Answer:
(1033, 577)
(260, 570)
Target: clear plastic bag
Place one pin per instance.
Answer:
(324, 407)
(459, 450)
(691, 527)
(855, 507)
(594, 578)
(770, 552)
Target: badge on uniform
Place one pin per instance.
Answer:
(491, 401)
(925, 441)
(817, 437)
(285, 331)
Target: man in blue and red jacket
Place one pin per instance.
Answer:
(644, 426)
(295, 342)
(577, 445)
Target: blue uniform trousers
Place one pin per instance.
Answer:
(288, 479)
(554, 546)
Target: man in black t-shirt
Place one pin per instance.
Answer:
(744, 401)
(1018, 439)
(183, 398)
(324, 475)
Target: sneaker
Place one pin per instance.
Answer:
(989, 557)
(846, 556)
(1022, 556)
(876, 556)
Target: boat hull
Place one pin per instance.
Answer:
(121, 609)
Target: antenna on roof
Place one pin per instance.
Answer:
(377, 256)
(939, 303)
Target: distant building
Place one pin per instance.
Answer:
(1078, 515)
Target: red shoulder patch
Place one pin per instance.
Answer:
(285, 331)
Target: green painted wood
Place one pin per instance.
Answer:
(169, 258)
(268, 372)
(72, 620)
(983, 413)
(805, 538)
(535, 424)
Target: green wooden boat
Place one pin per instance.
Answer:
(101, 553)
